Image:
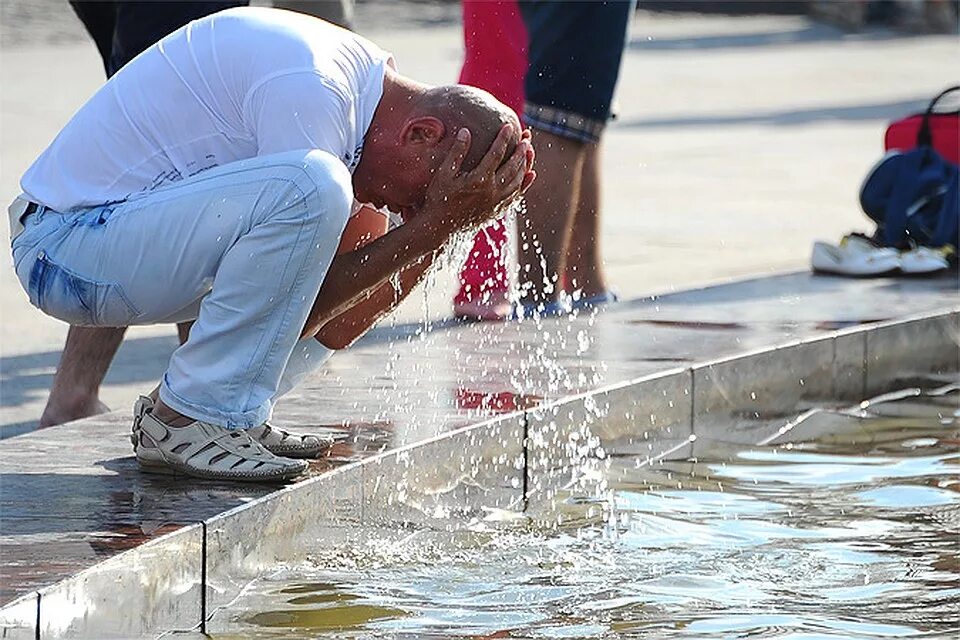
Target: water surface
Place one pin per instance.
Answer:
(852, 534)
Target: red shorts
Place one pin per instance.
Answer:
(495, 39)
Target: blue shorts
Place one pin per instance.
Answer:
(575, 49)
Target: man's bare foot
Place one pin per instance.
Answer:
(59, 411)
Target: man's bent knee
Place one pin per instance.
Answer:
(322, 182)
(331, 180)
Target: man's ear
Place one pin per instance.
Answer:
(423, 130)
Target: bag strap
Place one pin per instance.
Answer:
(902, 195)
(922, 174)
(948, 221)
(924, 137)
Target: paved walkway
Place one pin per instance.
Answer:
(65, 507)
(739, 142)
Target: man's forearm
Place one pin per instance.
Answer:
(356, 274)
(344, 329)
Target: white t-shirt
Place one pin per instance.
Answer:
(237, 84)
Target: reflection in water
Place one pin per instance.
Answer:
(851, 534)
(322, 618)
(495, 402)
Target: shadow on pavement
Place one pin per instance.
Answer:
(25, 377)
(883, 111)
(785, 290)
(813, 33)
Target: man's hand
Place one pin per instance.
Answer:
(529, 175)
(456, 201)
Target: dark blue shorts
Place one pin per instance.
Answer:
(575, 49)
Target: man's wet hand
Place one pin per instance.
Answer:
(456, 201)
(529, 174)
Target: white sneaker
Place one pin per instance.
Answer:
(855, 256)
(922, 260)
(208, 451)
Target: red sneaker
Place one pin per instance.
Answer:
(492, 306)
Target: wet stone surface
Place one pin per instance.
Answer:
(847, 527)
(72, 495)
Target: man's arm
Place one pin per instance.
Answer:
(453, 202)
(355, 275)
(364, 227)
(346, 328)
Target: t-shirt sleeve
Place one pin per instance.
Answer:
(300, 110)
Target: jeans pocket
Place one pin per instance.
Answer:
(19, 253)
(60, 293)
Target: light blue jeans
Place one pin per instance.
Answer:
(242, 249)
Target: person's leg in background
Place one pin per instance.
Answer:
(140, 24)
(99, 19)
(584, 264)
(86, 356)
(121, 30)
(574, 59)
(495, 41)
(544, 233)
(88, 351)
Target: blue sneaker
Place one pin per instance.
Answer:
(586, 303)
(541, 310)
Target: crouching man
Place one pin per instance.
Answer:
(211, 180)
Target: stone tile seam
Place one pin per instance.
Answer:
(693, 407)
(861, 332)
(525, 444)
(948, 315)
(203, 579)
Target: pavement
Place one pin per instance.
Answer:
(739, 141)
(65, 508)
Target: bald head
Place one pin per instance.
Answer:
(414, 128)
(460, 106)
